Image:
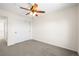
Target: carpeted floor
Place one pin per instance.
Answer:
(33, 48)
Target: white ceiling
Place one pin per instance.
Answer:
(14, 7)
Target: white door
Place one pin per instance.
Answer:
(18, 31)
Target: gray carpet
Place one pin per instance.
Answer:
(33, 48)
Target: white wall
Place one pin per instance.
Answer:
(18, 27)
(78, 27)
(57, 28)
(1, 29)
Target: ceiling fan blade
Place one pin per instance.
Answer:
(40, 11)
(27, 14)
(25, 8)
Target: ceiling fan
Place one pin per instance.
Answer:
(33, 10)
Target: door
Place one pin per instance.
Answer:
(18, 31)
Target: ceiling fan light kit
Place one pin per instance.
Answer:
(33, 10)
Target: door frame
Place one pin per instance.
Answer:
(5, 27)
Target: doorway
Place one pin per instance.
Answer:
(3, 30)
